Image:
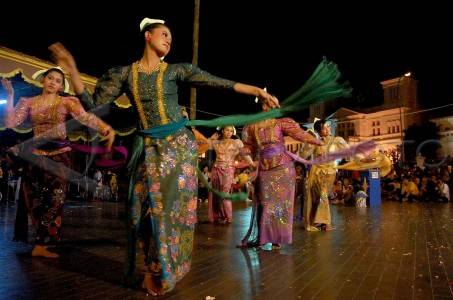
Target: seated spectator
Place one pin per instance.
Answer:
(424, 195)
(409, 190)
(391, 187)
(338, 192)
(360, 195)
(348, 192)
(443, 191)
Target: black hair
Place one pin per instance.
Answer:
(233, 136)
(54, 70)
(312, 133)
(357, 187)
(319, 124)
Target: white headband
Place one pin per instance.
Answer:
(147, 21)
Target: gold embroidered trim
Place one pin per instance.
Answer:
(137, 101)
(51, 152)
(160, 93)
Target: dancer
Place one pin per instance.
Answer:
(272, 216)
(322, 175)
(48, 151)
(222, 173)
(320, 179)
(163, 187)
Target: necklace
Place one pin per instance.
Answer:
(50, 99)
(148, 71)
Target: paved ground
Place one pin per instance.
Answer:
(401, 251)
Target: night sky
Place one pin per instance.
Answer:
(276, 45)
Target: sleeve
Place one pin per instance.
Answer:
(340, 143)
(88, 119)
(244, 152)
(248, 141)
(19, 114)
(212, 143)
(108, 88)
(202, 141)
(195, 76)
(307, 150)
(291, 128)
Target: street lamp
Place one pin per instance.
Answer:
(407, 74)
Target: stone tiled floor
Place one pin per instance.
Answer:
(400, 251)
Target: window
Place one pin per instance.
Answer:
(378, 131)
(373, 123)
(398, 128)
(374, 131)
(388, 131)
(378, 123)
(393, 93)
(393, 129)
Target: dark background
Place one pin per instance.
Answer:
(275, 44)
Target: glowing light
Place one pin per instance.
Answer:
(2, 101)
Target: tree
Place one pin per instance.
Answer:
(422, 138)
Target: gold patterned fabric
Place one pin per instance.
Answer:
(276, 179)
(222, 177)
(46, 184)
(320, 182)
(164, 188)
(48, 117)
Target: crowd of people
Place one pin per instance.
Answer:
(415, 184)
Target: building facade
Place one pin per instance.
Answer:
(385, 124)
(446, 134)
(13, 62)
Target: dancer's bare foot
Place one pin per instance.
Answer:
(151, 287)
(42, 251)
(311, 228)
